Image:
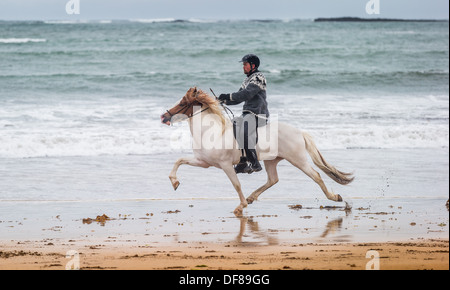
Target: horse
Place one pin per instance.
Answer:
(213, 144)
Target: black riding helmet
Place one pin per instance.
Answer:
(251, 59)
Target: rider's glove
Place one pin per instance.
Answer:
(224, 97)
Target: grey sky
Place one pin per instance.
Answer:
(220, 9)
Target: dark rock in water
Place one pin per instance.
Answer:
(358, 19)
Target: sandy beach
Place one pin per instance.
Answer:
(121, 213)
(192, 234)
(127, 255)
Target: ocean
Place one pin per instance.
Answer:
(80, 102)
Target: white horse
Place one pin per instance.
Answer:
(214, 145)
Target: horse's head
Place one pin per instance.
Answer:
(183, 109)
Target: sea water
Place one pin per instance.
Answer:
(80, 103)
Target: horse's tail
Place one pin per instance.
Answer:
(338, 176)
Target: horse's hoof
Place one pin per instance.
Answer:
(175, 184)
(238, 212)
(250, 200)
(240, 209)
(339, 198)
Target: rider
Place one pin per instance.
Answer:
(255, 113)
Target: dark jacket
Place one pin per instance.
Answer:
(253, 93)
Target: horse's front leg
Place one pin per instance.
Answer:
(185, 160)
(229, 170)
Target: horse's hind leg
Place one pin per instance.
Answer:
(304, 166)
(272, 179)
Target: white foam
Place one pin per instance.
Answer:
(124, 127)
(21, 40)
(82, 129)
(197, 20)
(80, 21)
(150, 137)
(155, 20)
(407, 137)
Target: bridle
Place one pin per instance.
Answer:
(185, 108)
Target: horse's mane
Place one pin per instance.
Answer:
(214, 106)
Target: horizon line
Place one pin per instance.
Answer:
(195, 19)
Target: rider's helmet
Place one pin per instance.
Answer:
(251, 59)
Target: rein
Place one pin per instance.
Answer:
(184, 109)
(224, 107)
(198, 113)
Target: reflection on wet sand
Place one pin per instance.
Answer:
(334, 226)
(251, 233)
(256, 234)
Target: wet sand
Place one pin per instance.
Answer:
(204, 234)
(49, 208)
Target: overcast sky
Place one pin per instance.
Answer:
(220, 9)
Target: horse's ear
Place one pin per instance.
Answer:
(195, 92)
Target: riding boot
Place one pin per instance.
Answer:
(239, 168)
(253, 165)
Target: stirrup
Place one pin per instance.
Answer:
(249, 169)
(254, 165)
(240, 168)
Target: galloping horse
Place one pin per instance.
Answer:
(214, 145)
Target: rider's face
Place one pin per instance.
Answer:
(247, 67)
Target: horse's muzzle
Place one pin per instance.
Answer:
(165, 119)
